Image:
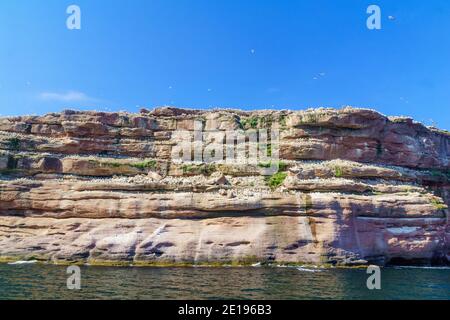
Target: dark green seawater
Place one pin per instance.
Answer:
(49, 282)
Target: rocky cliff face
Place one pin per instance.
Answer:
(352, 187)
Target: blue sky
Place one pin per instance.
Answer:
(248, 54)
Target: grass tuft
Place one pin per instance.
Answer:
(145, 164)
(338, 172)
(282, 166)
(276, 180)
(438, 204)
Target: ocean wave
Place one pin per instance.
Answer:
(309, 269)
(422, 267)
(22, 262)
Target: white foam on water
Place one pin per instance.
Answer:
(422, 267)
(283, 266)
(308, 269)
(22, 262)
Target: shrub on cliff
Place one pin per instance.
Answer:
(276, 180)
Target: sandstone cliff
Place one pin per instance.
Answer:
(353, 187)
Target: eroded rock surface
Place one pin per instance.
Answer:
(353, 187)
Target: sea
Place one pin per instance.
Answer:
(37, 281)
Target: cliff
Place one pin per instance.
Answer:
(353, 187)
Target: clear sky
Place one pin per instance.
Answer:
(226, 53)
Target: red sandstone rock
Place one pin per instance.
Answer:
(102, 187)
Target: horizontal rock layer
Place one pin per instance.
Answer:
(353, 187)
